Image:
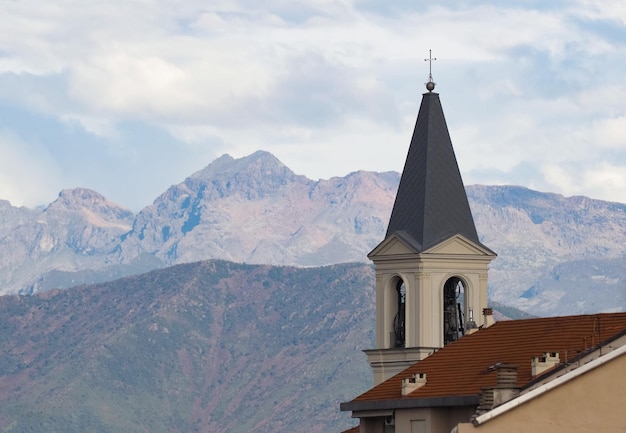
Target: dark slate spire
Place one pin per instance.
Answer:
(431, 204)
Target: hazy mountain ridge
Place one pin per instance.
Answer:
(209, 346)
(256, 210)
(253, 209)
(12, 217)
(545, 239)
(73, 233)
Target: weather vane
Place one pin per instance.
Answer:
(430, 86)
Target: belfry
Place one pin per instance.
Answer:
(435, 369)
(431, 268)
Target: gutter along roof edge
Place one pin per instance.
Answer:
(408, 403)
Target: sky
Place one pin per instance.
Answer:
(130, 97)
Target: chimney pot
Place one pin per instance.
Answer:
(488, 317)
(542, 363)
(412, 383)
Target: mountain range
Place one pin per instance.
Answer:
(210, 346)
(556, 255)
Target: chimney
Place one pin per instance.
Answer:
(412, 383)
(542, 363)
(504, 390)
(506, 384)
(488, 317)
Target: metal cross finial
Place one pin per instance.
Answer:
(431, 84)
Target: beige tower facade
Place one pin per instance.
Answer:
(457, 263)
(431, 269)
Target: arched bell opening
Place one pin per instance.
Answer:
(453, 309)
(399, 320)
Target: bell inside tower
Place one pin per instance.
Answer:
(399, 329)
(453, 308)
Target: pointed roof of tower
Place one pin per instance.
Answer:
(431, 204)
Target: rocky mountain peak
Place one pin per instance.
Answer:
(226, 166)
(252, 177)
(368, 186)
(78, 198)
(12, 217)
(92, 204)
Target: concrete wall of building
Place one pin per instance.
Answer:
(405, 416)
(371, 425)
(389, 362)
(445, 418)
(590, 403)
(430, 420)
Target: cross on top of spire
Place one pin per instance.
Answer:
(430, 86)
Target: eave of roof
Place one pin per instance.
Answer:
(415, 248)
(449, 401)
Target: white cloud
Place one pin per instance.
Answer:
(100, 126)
(24, 169)
(606, 9)
(601, 180)
(605, 181)
(610, 133)
(325, 85)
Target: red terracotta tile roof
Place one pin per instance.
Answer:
(464, 367)
(355, 429)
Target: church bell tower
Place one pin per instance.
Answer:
(431, 268)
